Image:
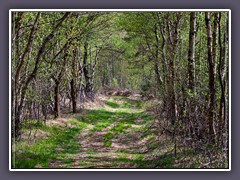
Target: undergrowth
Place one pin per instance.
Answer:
(125, 118)
(61, 145)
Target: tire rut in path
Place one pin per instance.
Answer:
(94, 154)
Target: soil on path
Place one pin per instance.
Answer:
(114, 137)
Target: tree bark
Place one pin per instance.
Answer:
(88, 79)
(222, 77)
(57, 100)
(73, 84)
(211, 67)
(191, 52)
(34, 72)
(158, 77)
(163, 58)
(191, 73)
(17, 89)
(172, 47)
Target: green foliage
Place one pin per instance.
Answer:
(97, 115)
(115, 83)
(33, 124)
(112, 104)
(101, 125)
(126, 105)
(120, 128)
(166, 161)
(109, 136)
(107, 143)
(43, 151)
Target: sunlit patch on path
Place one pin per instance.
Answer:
(113, 138)
(111, 133)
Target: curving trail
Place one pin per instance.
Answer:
(114, 136)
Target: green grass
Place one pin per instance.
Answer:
(126, 105)
(101, 125)
(166, 161)
(112, 104)
(62, 144)
(107, 143)
(140, 104)
(98, 115)
(137, 160)
(29, 123)
(120, 128)
(109, 135)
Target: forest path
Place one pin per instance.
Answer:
(114, 136)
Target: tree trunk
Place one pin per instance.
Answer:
(158, 77)
(191, 73)
(73, 96)
(222, 77)
(191, 52)
(211, 67)
(17, 125)
(164, 61)
(88, 79)
(57, 101)
(73, 83)
(36, 66)
(172, 47)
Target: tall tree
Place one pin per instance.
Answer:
(211, 74)
(191, 52)
(87, 75)
(173, 36)
(33, 74)
(73, 82)
(222, 70)
(191, 70)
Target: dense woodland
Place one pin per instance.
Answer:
(176, 63)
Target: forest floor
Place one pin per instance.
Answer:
(116, 132)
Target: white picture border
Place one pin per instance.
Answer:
(116, 10)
